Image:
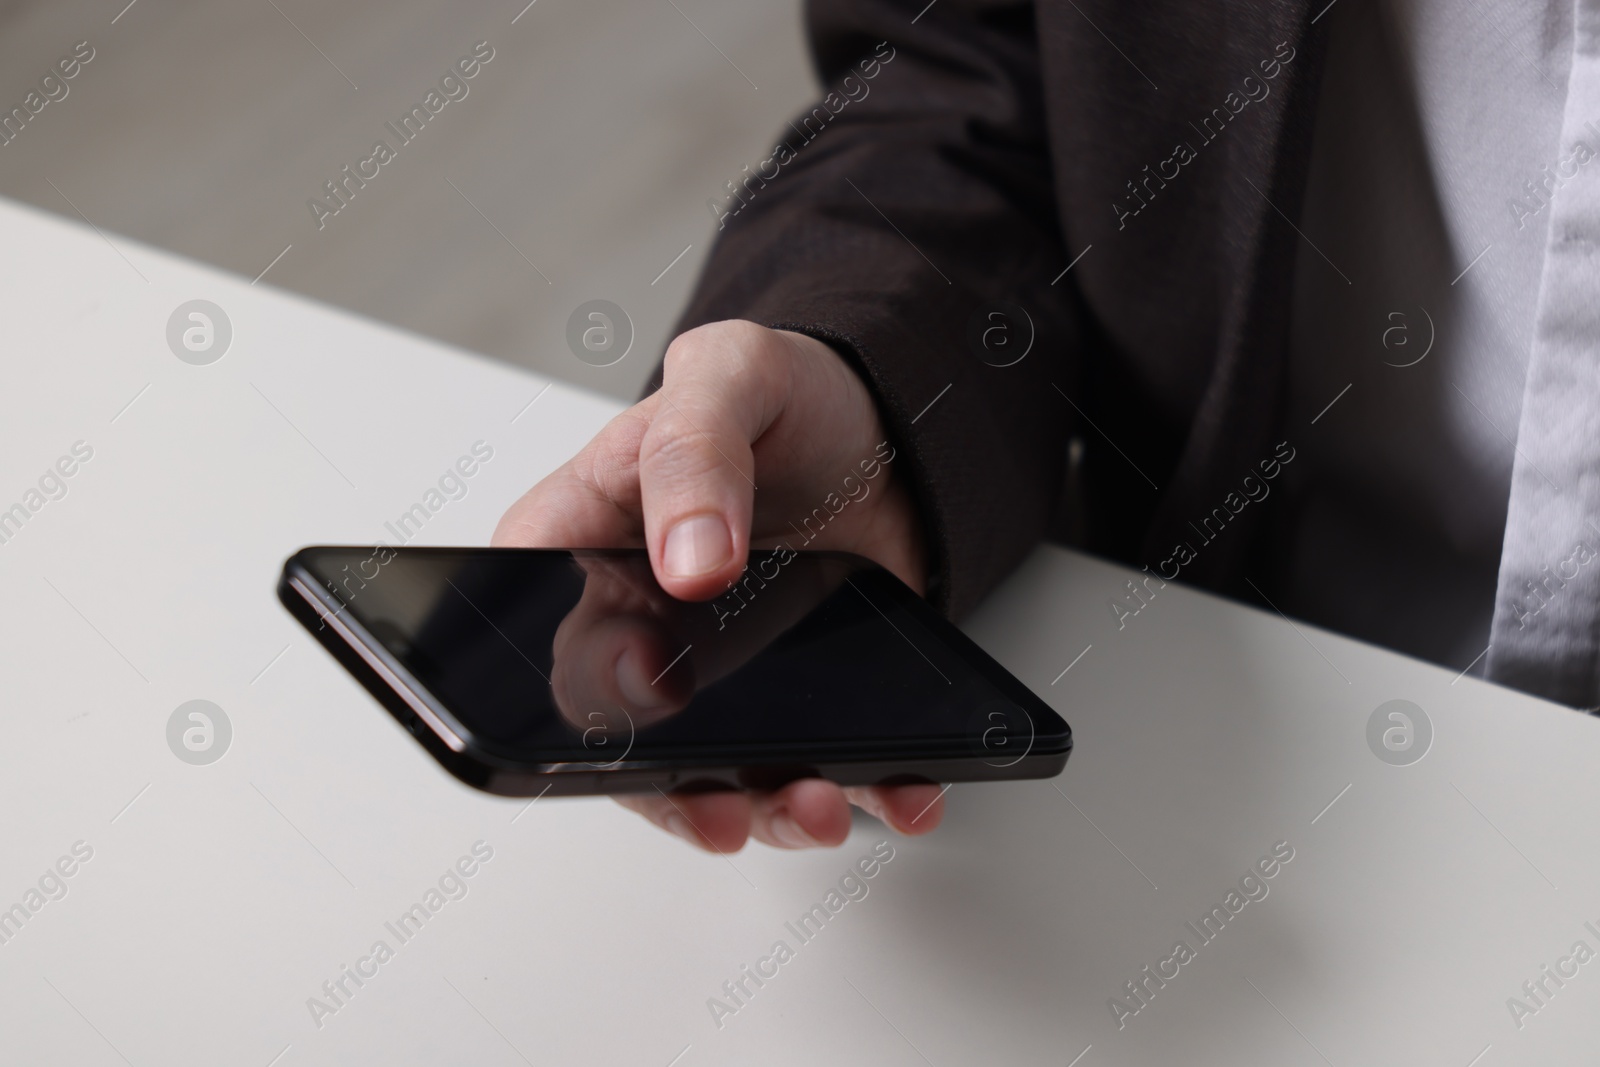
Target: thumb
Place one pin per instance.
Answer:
(722, 387)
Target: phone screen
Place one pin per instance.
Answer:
(555, 655)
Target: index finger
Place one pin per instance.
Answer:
(590, 501)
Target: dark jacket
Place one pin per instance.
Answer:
(1161, 144)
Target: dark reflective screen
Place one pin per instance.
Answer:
(554, 655)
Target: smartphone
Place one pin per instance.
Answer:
(570, 671)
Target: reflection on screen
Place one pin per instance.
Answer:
(555, 655)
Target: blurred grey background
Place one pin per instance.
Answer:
(590, 144)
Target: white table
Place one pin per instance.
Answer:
(219, 898)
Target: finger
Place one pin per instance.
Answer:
(810, 813)
(602, 664)
(696, 463)
(591, 501)
(716, 822)
(611, 652)
(909, 809)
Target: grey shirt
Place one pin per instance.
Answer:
(1445, 319)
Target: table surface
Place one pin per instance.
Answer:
(217, 900)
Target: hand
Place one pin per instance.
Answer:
(740, 406)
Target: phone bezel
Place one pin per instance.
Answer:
(486, 767)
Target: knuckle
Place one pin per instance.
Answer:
(677, 451)
(732, 345)
(606, 476)
(608, 464)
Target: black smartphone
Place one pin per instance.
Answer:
(532, 671)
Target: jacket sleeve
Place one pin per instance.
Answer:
(893, 221)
